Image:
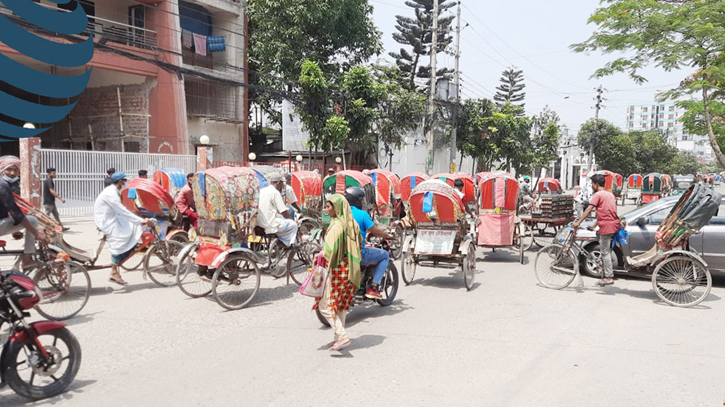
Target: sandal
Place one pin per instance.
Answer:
(603, 283)
(118, 281)
(338, 346)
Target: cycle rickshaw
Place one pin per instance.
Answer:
(389, 206)
(652, 186)
(498, 225)
(170, 179)
(549, 186)
(469, 184)
(338, 182)
(681, 183)
(308, 189)
(680, 277)
(409, 182)
(634, 188)
(442, 235)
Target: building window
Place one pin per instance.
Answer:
(644, 125)
(672, 108)
(670, 125)
(645, 117)
(631, 117)
(671, 116)
(644, 109)
(684, 137)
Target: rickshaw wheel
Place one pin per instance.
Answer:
(160, 264)
(235, 282)
(182, 238)
(191, 278)
(555, 267)
(389, 285)
(300, 261)
(134, 262)
(682, 281)
(469, 267)
(408, 266)
(65, 290)
(528, 236)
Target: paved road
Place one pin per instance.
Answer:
(508, 342)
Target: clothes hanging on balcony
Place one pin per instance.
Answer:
(187, 39)
(215, 43)
(200, 44)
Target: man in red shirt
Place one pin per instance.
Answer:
(185, 201)
(606, 205)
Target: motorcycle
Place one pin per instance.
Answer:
(388, 286)
(39, 359)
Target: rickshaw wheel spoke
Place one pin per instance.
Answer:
(555, 267)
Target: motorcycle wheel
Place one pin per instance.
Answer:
(321, 318)
(29, 379)
(389, 285)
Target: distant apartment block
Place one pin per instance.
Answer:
(666, 117)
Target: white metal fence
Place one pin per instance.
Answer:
(80, 173)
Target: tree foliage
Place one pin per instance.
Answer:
(416, 36)
(511, 88)
(670, 35)
(314, 106)
(596, 132)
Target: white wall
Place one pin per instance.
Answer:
(412, 158)
(226, 136)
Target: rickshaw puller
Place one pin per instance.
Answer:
(121, 226)
(273, 214)
(185, 201)
(606, 205)
(370, 255)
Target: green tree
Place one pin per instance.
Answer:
(597, 132)
(619, 154)
(314, 105)
(473, 138)
(683, 163)
(335, 34)
(364, 95)
(416, 35)
(510, 133)
(694, 119)
(546, 132)
(653, 152)
(670, 35)
(511, 88)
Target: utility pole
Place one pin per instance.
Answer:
(454, 132)
(433, 74)
(598, 106)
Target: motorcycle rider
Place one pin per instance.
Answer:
(370, 255)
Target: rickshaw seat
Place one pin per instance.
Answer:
(3, 243)
(259, 232)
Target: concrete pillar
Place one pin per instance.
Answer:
(203, 158)
(167, 101)
(30, 170)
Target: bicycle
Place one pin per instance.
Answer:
(564, 265)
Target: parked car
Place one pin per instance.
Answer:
(642, 224)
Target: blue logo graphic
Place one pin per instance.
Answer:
(44, 50)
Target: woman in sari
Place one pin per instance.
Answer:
(342, 254)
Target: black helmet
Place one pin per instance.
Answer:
(458, 183)
(355, 197)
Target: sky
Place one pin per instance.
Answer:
(535, 36)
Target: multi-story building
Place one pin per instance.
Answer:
(666, 117)
(164, 73)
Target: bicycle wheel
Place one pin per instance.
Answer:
(300, 261)
(133, 262)
(555, 267)
(65, 289)
(396, 245)
(528, 236)
(235, 282)
(192, 279)
(469, 267)
(160, 262)
(681, 281)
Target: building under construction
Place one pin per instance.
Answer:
(163, 74)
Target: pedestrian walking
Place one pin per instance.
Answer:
(342, 252)
(143, 174)
(50, 195)
(606, 206)
(107, 181)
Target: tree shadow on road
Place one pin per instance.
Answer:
(9, 399)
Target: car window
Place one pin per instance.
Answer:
(655, 218)
(719, 219)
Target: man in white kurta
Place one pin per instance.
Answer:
(272, 213)
(122, 228)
